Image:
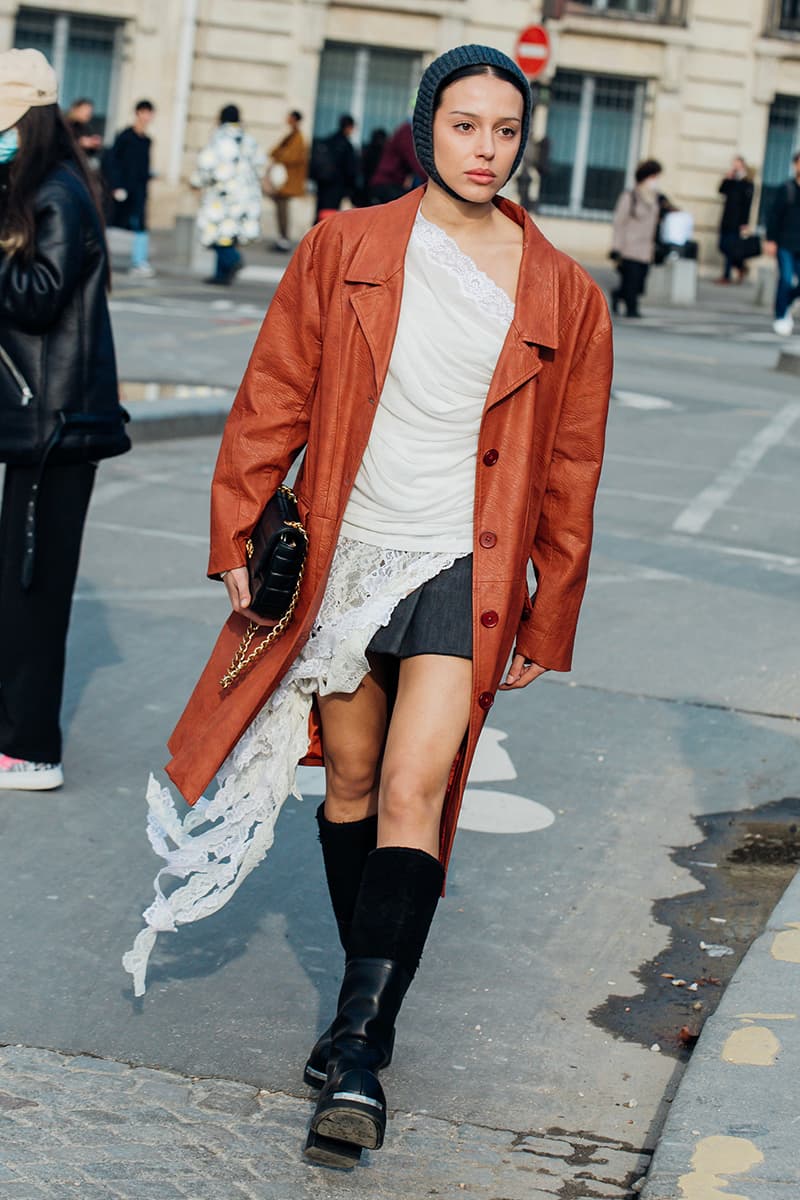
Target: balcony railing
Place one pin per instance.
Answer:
(663, 12)
(783, 18)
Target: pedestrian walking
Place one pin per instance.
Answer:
(783, 241)
(334, 167)
(80, 116)
(447, 372)
(399, 169)
(737, 188)
(370, 157)
(59, 404)
(229, 171)
(288, 158)
(637, 216)
(127, 170)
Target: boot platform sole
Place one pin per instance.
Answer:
(352, 1121)
(329, 1152)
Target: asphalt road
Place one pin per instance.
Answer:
(683, 703)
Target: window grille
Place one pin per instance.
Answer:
(594, 130)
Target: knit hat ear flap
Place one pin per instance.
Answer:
(431, 84)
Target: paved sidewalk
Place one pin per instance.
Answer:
(733, 1124)
(95, 1130)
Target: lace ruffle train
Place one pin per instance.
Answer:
(219, 841)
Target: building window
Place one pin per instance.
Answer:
(84, 52)
(374, 85)
(667, 12)
(783, 17)
(594, 130)
(783, 141)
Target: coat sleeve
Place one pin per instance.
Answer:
(34, 293)
(563, 537)
(269, 420)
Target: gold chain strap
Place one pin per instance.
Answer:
(242, 659)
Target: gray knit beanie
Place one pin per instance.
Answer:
(436, 78)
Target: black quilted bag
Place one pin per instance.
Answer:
(276, 559)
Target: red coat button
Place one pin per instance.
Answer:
(485, 700)
(490, 458)
(488, 539)
(489, 618)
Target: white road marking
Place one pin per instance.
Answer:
(190, 539)
(502, 812)
(121, 594)
(634, 575)
(640, 400)
(767, 557)
(483, 811)
(699, 512)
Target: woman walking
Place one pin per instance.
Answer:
(636, 219)
(737, 187)
(447, 372)
(229, 171)
(290, 157)
(59, 405)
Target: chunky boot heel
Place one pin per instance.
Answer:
(327, 1152)
(353, 1110)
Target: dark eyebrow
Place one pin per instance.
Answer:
(459, 112)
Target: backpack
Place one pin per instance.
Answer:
(322, 164)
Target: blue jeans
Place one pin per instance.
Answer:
(788, 291)
(228, 259)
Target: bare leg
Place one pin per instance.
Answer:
(430, 717)
(353, 734)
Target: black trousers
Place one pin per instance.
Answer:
(34, 623)
(631, 285)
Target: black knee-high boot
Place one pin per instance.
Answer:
(399, 892)
(345, 847)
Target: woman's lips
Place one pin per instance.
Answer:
(481, 176)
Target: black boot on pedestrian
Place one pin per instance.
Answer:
(400, 889)
(345, 847)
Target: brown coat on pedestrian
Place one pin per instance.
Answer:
(636, 218)
(292, 151)
(314, 380)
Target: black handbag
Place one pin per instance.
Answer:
(276, 559)
(748, 247)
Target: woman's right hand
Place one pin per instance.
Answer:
(237, 583)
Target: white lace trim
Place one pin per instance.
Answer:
(476, 284)
(220, 841)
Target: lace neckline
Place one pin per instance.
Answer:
(442, 249)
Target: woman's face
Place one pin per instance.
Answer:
(476, 133)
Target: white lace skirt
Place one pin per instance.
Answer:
(218, 842)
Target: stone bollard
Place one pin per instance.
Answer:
(765, 285)
(789, 361)
(674, 282)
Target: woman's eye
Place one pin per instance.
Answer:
(508, 132)
(465, 125)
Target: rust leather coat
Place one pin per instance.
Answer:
(314, 380)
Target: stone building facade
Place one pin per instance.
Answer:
(691, 82)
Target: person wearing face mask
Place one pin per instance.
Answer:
(447, 372)
(59, 405)
(737, 188)
(636, 219)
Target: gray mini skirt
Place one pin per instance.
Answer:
(434, 619)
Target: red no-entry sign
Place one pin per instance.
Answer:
(532, 52)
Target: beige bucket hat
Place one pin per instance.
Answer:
(26, 81)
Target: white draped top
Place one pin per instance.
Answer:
(415, 488)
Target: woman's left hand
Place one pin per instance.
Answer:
(521, 672)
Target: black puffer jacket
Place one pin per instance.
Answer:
(58, 375)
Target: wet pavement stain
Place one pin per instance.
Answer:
(745, 861)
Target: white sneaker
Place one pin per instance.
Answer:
(784, 325)
(145, 271)
(19, 775)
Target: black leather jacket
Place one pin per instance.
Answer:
(58, 374)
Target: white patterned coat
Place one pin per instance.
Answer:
(229, 171)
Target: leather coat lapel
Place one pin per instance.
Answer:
(378, 263)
